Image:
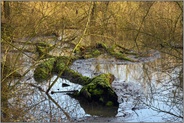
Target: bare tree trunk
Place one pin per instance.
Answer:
(92, 24)
(4, 102)
(6, 7)
(105, 19)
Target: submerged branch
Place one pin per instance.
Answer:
(53, 92)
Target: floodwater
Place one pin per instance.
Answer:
(146, 93)
(138, 86)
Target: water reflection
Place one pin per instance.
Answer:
(138, 87)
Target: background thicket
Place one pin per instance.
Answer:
(135, 25)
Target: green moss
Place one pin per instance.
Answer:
(109, 103)
(85, 93)
(87, 52)
(43, 49)
(59, 66)
(103, 79)
(92, 85)
(47, 68)
(99, 89)
(91, 54)
(87, 56)
(119, 55)
(96, 53)
(96, 89)
(75, 77)
(43, 44)
(40, 49)
(101, 100)
(60, 63)
(114, 50)
(44, 70)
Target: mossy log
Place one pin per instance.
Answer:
(43, 49)
(101, 48)
(75, 77)
(83, 52)
(118, 55)
(58, 65)
(97, 89)
(44, 70)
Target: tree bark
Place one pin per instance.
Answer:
(6, 7)
(92, 24)
(105, 19)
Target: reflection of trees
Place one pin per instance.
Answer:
(142, 25)
(169, 42)
(164, 92)
(160, 80)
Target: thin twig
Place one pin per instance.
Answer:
(80, 40)
(142, 25)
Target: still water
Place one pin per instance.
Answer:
(145, 93)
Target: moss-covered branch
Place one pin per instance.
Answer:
(97, 89)
(101, 48)
(75, 77)
(44, 70)
(48, 68)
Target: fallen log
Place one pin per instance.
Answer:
(97, 89)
